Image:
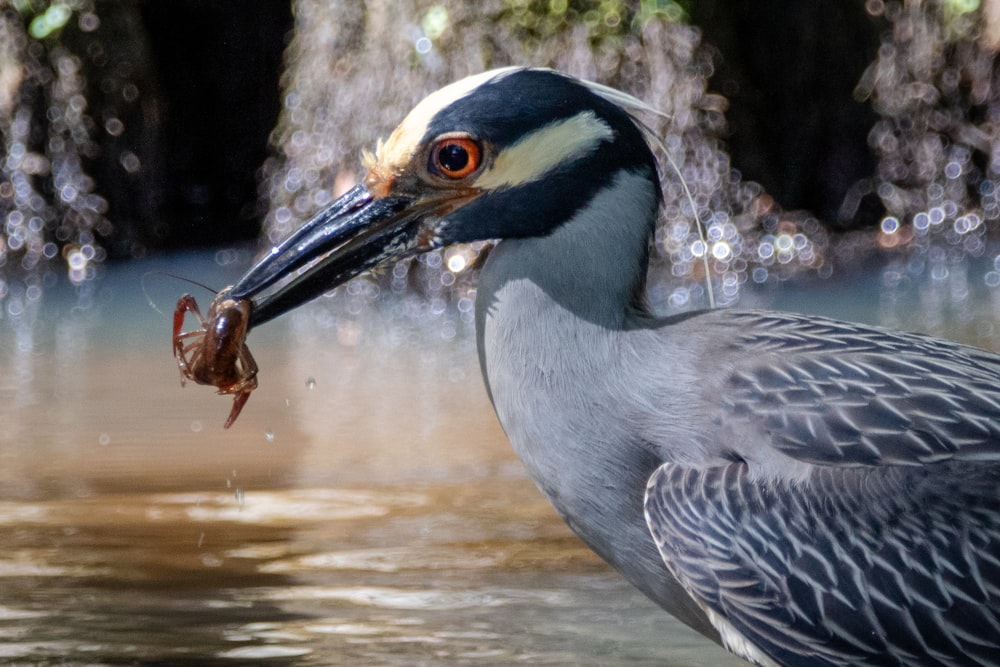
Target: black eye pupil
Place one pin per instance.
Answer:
(453, 157)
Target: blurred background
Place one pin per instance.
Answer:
(131, 128)
(366, 509)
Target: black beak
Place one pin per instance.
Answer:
(357, 232)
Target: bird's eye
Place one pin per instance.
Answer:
(454, 157)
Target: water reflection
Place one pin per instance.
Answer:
(365, 509)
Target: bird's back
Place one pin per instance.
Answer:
(848, 511)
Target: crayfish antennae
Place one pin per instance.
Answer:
(149, 299)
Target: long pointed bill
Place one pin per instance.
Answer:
(357, 232)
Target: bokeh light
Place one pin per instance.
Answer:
(48, 200)
(931, 84)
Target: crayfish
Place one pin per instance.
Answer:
(216, 353)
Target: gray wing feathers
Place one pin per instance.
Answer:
(835, 393)
(857, 566)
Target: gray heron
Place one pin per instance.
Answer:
(803, 490)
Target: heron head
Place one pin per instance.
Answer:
(507, 153)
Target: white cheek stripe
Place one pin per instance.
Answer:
(541, 151)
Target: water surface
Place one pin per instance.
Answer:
(364, 509)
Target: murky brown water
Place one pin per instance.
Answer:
(364, 509)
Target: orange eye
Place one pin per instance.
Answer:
(454, 157)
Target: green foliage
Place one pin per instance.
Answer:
(50, 21)
(603, 19)
(45, 19)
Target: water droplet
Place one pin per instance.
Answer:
(114, 126)
(196, 426)
(269, 435)
(130, 161)
(104, 439)
(890, 225)
(721, 250)
(311, 382)
(423, 46)
(239, 496)
(209, 560)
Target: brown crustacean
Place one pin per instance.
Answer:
(216, 353)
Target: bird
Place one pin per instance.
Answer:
(802, 490)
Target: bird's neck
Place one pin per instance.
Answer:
(556, 302)
(551, 316)
(594, 265)
(549, 313)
